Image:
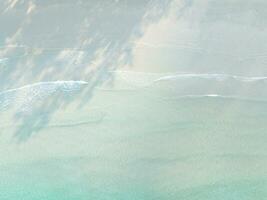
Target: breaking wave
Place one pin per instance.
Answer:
(25, 96)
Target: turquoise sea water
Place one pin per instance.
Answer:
(138, 100)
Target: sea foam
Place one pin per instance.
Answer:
(27, 95)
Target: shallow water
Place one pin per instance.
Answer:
(123, 99)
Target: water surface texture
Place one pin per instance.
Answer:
(133, 99)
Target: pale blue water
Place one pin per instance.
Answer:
(135, 100)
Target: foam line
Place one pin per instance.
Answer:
(129, 75)
(218, 77)
(216, 96)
